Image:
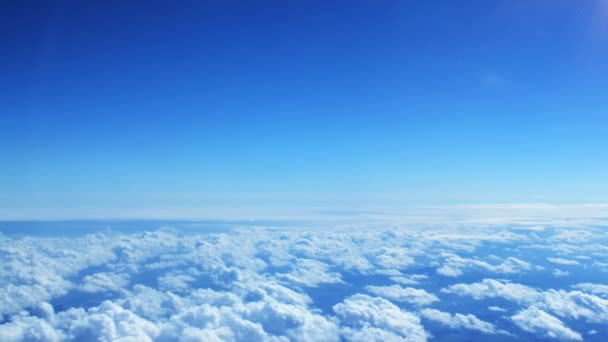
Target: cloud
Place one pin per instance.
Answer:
(409, 279)
(36, 270)
(147, 315)
(542, 324)
(13, 298)
(308, 272)
(280, 284)
(31, 329)
(598, 289)
(490, 288)
(409, 295)
(559, 273)
(247, 305)
(103, 282)
(575, 305)
(369, 318)
(454, 265)
(108, 322)
(458, 321)
(562, 261)
(565, 304)
(393, 258)
(175, 282)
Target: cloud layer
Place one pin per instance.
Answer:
(262, 284)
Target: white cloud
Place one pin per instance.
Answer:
(254, 284)
(397, 293)
(496, 309)
(572, 305)
(393, 258)
(454, 265)
(490, 288)
(530, 228)
(36, 270)
(562, 261)
(310, 273)
(31, 329)
(14, 298)
(575, 304)
(542, 324)
(103, 281)
(108, 322)
(175, 282)
(578, 236)
(409, 279)
(598, 289)
(559, 273)
(360, 312)
(458, 321)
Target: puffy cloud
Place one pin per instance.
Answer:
(539, 322)
(175, 282)
(598, 289)
(103, 281)
(393, 258)
(409, 279)
(572, 304)
(559, 273)
(150, 315)
(458, 321)
(35, 270)
(403, 294)
(562, 261)
(454, 265)
(575, 304)
(370, 318)
(107, 322)
(276, 284)
(310, 273)
(578, 236)
(14, 298)
(29, 328)
(490, 288)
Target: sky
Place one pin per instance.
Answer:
(219, 108)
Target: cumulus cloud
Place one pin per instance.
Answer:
(559, 273)
(275, 284)
(103, 282)
(491, 288)
(575, 305)
(310, 273)
(403, 294)
(29, 328)
(455, 265)
(538, 322)
(562, 261)
(206, 316)
(457, 321)
(598, 289)
(371, 318)
(409, 279)
(565, 304)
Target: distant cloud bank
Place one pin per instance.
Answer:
(393, 283)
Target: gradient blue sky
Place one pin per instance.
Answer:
(107, 106)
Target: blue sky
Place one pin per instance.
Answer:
(108, 106)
